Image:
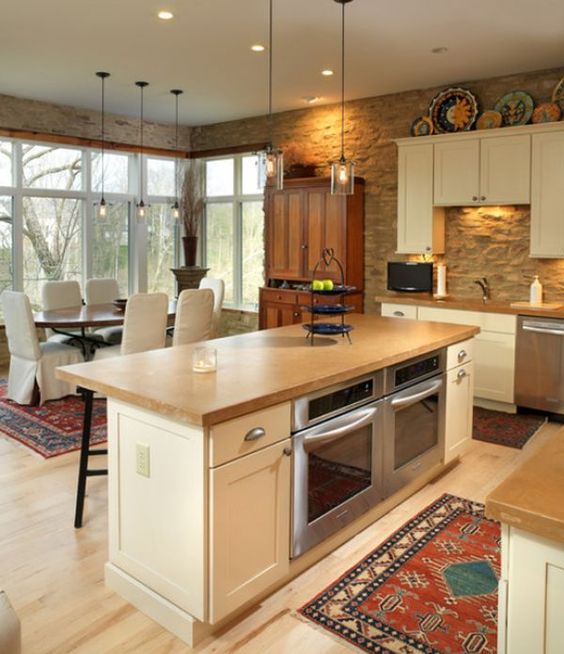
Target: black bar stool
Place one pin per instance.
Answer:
(85, 452)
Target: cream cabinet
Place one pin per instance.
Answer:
(547, 196)
(471, 171)
(250, 527)
(391, 310)
(531, 597)
(459, 399)
(420, 224)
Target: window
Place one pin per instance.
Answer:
(234, 227)
(116, 172)
(6, 236)
(161, 243)
(51, 167)
(110, 245)
(6, 154)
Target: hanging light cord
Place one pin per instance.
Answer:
(270, 73)
(103, 132)
(343, 80)
(141, 158)
(176, 147)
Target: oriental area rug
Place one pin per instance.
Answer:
(52, 429)
(509, 429)
(431, 587)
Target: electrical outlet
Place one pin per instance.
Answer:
(143, 459)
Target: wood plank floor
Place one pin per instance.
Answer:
(54, 573)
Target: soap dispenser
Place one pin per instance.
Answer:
(535, 295)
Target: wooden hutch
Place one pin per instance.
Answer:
(302, 220)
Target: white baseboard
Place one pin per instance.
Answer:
(506, 407)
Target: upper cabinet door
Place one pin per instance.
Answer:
(505, 170)
(285, 229)
(420, 226)
(547, 196)
(457, 179)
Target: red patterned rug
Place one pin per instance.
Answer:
(52, 429)
(431, 587)
(510, 429)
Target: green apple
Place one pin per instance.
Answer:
(317, 285)
(327, 284)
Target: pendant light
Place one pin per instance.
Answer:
(175, 207)
(102, 207)
(342, 171)
(141, 205)
(271, 160)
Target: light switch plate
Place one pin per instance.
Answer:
(143, 459)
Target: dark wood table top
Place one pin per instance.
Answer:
(93, 315)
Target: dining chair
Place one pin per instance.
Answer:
(32, 364)
(194, 316)
(144, 328)
(104, 290)
(60, 295)
(218, 288)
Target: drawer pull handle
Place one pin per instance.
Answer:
(255, 434)
(399, 314)
(287, 451)
(462, 355)
(461, 374)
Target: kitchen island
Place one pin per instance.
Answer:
(199, 516)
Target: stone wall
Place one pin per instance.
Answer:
(237, 322)
(36, 116)
(472, 249)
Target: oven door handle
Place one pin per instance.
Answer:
(403, 401)
(342, 427)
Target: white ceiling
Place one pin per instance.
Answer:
(50, 49)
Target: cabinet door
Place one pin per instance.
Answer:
(457, 166)
(250, 527)
(494, 358)
(399, 311)
(325, 227)
(547, 196)
(285, 232)
(505, 170)
(420, 225)
(458, 416)
(273, 315)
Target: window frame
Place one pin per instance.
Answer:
(236, 200)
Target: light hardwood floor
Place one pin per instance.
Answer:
(54, 573)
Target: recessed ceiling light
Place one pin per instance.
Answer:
(440, 50)
(327, 72)
(165, 15)
(310, 99)
(257, 47)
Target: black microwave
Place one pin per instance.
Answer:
(410, 276)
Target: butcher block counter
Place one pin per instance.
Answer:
(200, 465)
(259, 369)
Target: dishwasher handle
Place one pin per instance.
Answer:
(543, 330)
(403, 400)
(341, 426)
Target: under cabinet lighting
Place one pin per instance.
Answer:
(165, 15)
(327, 72)
(257, 47)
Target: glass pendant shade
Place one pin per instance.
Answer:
(102, 208)
(141, 209)
(342, 177)
(271, 168)
(175, 210)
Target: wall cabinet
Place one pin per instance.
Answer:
(302, 220)
(482, 171)
(547, 196)
(459, 399)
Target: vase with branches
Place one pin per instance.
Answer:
(191, 208)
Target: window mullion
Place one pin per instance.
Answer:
(17, 219)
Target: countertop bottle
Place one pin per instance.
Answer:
(535, 294)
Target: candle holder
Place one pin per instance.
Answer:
(204, 359)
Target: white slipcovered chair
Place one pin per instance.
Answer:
(30, 360)
(144, 326)
(104, 291)
(60, 295)
(10, 629)
(194, 316)
(218, 288)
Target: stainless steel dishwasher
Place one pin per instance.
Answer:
(539, 364)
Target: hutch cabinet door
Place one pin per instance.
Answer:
(285, 234)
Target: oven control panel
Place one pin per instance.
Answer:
(415, 370)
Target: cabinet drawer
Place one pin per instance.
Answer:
(460, 353)
(227, 439)
(399, 310)
(502, 323)
(278, 295)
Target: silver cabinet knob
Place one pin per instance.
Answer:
(255, 434)
(428, 248)
(287, 451)
(474, 198)
(461, 374)
(399, 314)
(462, 355)
(483, 197)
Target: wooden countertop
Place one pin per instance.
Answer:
(259, 369)
(532, 497)
(468, 304)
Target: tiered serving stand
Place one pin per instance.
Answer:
(325, 310)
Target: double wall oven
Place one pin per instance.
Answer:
(358, 442)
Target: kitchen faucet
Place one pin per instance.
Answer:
(484, 285)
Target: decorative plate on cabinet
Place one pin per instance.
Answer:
(453, 110)
(558, 95)
(489, 120)
(422, 126)
(547, 112)
(516, 108)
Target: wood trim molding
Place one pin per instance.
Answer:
(235, 149)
